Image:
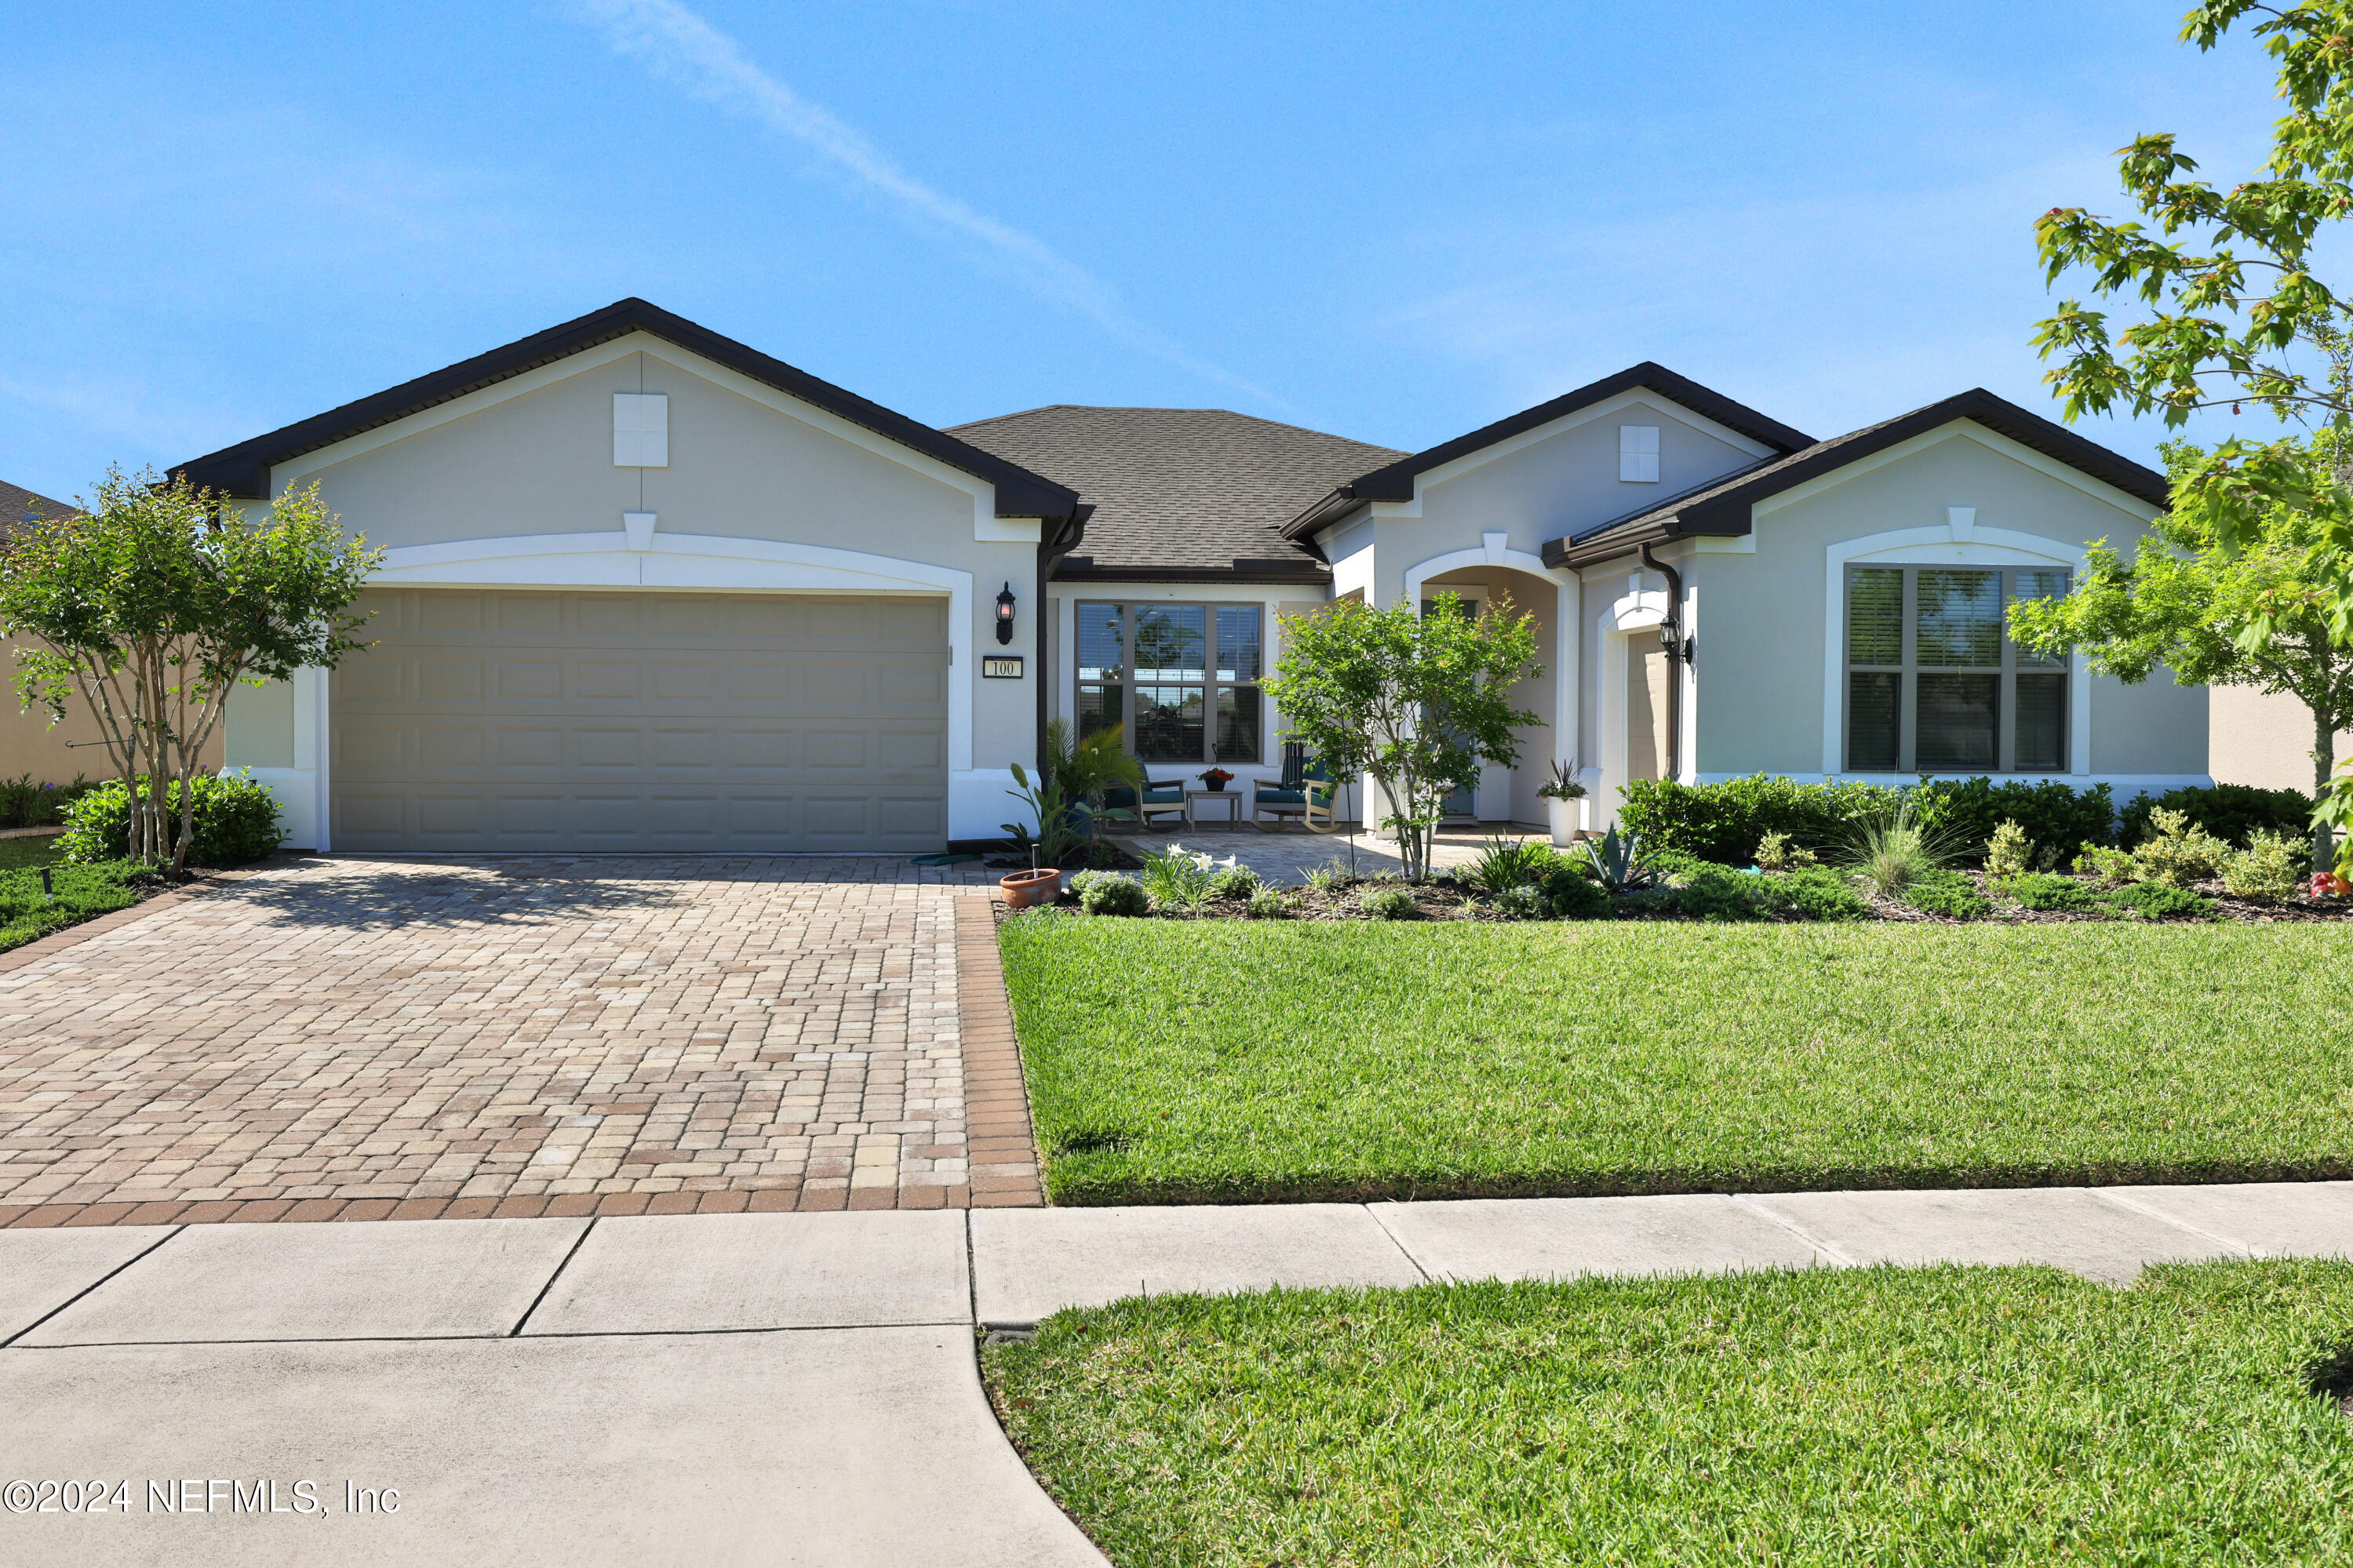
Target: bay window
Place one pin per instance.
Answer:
(1183, 678)
(1934, 682)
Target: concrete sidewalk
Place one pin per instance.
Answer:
(794, 1388)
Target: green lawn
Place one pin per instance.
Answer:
(1188, 1061)
(18, 852)
(81, 891)
(1890, 1415)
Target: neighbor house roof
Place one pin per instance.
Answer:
(244, 470)
(1395, 481)
(1181, 494)
(19, 506)
(1721, 506)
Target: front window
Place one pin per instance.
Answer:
(1183, 678)
(1934, 682)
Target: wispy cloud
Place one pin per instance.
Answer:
(679, 46)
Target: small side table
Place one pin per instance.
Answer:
(1193, 797)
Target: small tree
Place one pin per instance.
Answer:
(154, 602)
(1417, 702)
(2186, 600)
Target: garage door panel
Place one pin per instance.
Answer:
(524, 721)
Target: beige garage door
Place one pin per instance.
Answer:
(580, 721)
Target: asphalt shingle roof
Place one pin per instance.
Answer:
(1179, 490)
(19, 506)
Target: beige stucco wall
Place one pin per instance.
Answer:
(1537, 598)
(1761, 617)
(55, 754)
(2264, 740)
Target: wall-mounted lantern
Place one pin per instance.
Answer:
(1671, 639)
(1005, 615)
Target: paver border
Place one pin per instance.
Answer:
(1001, 1144)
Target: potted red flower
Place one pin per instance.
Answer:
(1215, 778)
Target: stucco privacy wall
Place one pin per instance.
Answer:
(1763, 617)
(2264, 740)
(515, 485)
(29, 744)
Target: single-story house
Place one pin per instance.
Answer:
(645, 588)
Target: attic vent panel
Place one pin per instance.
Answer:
(1638, 454)
(641, 430)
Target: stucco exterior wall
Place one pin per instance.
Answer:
(2261, 739)
(1538, 598)
(1763, 618)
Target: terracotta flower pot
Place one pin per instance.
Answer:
(1024, 888)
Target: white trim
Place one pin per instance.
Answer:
(1959, 429)
(1937, 546)
(994, 529)
(703, 562)
(1634, 397)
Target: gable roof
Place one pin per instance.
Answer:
(1721, 506)
(244, 470)
(1395, 482)
(19, 506)
(1181, 494)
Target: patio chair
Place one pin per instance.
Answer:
(1306, 791)
(1157, 800)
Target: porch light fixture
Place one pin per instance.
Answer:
(1672, 639)
(1005, 613)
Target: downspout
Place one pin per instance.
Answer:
(1675, 646)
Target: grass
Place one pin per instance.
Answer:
(1178, 1062)
(1887, 1415)
(20, 852)
(81, 892)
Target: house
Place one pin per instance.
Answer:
(29, 744)
(2265, 739)
(645, 588)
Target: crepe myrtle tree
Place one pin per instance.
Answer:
(1416, 702)
(2235, 312)
(155, 600)
(2184, 601)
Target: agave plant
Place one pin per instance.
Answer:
(1617, 863)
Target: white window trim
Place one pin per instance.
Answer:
(1958, 543)
(1171, 594)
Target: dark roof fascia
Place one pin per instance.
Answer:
(1396, 481)
(243, 469)
(1083, 569)
(1722, 508)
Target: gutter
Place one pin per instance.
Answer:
(1679, 651)
(1058, 537)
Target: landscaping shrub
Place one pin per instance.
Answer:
(1814, 893)
(2041, 890)
(1267, 904)
(1676, 867)
(1890, 852)
(1574, 896)
(1716, 894)
(1389, 904)
(1177, 878)
(1505, 864)
(1109, 893)
(1777, 851)
(2009, 853)
(2233, 813)
(2046, 810)
(1950, 894)
(2156, 901)
(2113, 867)
(25, 804)
(1525, 902)
(2271, 866)
(2176, 851)
(236, 820)
(1233, 882)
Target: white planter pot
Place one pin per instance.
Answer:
(1563, 817)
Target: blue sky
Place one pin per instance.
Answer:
(1393, 222)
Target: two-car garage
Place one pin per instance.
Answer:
(581, 720)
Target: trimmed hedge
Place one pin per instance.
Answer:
(2232, 813)
(1724, 822)
(236, 820)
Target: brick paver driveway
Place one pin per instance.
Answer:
(358, 1039)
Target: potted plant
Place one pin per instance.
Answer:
(1057, 839)
(1561, 792)
(1215, 778)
